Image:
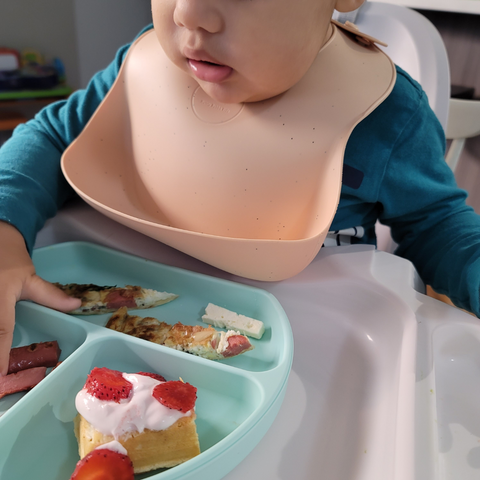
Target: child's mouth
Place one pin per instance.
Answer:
(208, 71)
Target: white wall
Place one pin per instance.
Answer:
(102, 26)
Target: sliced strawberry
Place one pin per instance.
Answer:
(175, 394)
(156, 376)
(103, 464)
(106, 384)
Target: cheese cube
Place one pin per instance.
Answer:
(222, 318)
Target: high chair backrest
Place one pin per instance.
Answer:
(414, 44)
(463, 123)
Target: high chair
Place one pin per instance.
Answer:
(463, 123)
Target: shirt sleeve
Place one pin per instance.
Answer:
(32, 186)
(427, 213)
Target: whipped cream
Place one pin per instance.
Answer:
(114, 446)
(134, 414)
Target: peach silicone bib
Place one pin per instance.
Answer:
(250, 188)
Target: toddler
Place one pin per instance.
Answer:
(249, 51)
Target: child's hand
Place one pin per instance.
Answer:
(18, 281)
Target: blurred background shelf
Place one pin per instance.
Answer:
(49, 95)
(18, 107)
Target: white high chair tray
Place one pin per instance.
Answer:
(384, 383)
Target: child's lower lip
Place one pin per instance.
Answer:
(209, 72)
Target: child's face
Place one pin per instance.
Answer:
(243, 50)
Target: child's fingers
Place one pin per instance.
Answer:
(37, 290)
(40, 291)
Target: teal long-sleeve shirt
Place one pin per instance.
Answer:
(394, 172)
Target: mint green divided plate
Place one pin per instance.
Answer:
(238, 398)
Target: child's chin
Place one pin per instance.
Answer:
(224, 93)
(227, 93)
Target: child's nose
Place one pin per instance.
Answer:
(198, 14)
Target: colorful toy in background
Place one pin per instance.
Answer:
(28, 70)
(9, 59)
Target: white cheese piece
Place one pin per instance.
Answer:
(222, 318)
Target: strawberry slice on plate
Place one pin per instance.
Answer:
(176, 395)
(106, 384)
(103, 464)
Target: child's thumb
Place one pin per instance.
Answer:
(45, 293)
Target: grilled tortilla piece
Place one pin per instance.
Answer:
(106, 299)
(203, 342)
